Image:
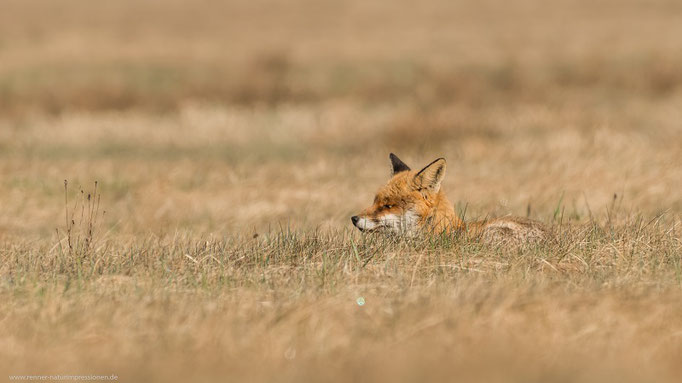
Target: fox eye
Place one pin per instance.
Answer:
(387, 206)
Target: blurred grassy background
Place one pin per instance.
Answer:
(207, 122)
(218, 115)
(81, 55)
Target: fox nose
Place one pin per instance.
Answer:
(355, 220)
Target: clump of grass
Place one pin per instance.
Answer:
(633, 251)
(78, 238)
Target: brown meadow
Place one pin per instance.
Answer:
(231, 142)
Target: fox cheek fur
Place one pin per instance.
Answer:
(380, 219)
(402, 223)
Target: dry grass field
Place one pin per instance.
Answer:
(232, 140)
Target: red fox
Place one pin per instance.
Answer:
(413, 202)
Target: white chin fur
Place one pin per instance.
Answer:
(405, 224)
(366, 224)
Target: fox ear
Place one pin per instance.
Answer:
(431, 176)
(397, 165)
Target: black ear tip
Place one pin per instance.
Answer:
(398, 165)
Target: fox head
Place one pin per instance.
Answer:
(409, 202)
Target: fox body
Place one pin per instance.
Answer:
(413, 202)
